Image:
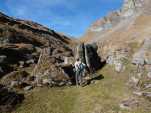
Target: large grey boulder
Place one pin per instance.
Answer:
(117, 58)
(143, 56)
(138, 58)
(92, 59)
(88, 54)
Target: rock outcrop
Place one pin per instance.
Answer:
(123, 39)
(88, 54)
(21, 44)
(9, 99)
(129, 11)
(121, 29)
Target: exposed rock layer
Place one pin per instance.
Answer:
(21, 43)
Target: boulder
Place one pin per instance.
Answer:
(147, 86)
(14, 77)
(149, 75)
(31, 61)
(46, 81)
(88, 54)
(27, 88)
(69, 83)
(138, 59)
(129, 104)
(21, 64)
(92, 59)
(14, 84)
(118, 58)
(45, 69)
(110, 60)
(68, 60)
(9, 99)
(119, 66)
(62, 83)
(134, 81)
(138, 93)
(147, 95)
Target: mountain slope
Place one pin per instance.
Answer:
(124, 39)
(22, 45)
(22, 42)
(121, 28)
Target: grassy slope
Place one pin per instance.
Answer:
(102, 97)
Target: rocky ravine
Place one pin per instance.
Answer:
(32, 55)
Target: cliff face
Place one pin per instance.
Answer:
(129, 11)
(134, 6)
(124, 38)
(121, 28)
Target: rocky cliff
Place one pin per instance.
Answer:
(22, 44)
(120, 27)
(123, 39)
(129, 10)
(31, 55)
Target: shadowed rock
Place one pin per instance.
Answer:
(9, 99)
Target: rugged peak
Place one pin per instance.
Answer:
(130, 7)
(132, 4)
(130, 10)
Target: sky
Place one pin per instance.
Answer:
(72, 17)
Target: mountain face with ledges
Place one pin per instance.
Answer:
(120, 28)
(129, 10)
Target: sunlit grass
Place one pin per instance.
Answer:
(102, 97)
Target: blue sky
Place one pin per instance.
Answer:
(71, 17)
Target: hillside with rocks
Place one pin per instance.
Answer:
(37, 73)
(123, 39)
(122, 33)
(21, 44)
(30, 55)
(121, 29)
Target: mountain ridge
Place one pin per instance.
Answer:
(117, 29)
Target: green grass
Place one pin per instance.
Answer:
(102, 97)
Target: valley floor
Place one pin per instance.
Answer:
(103, 96)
